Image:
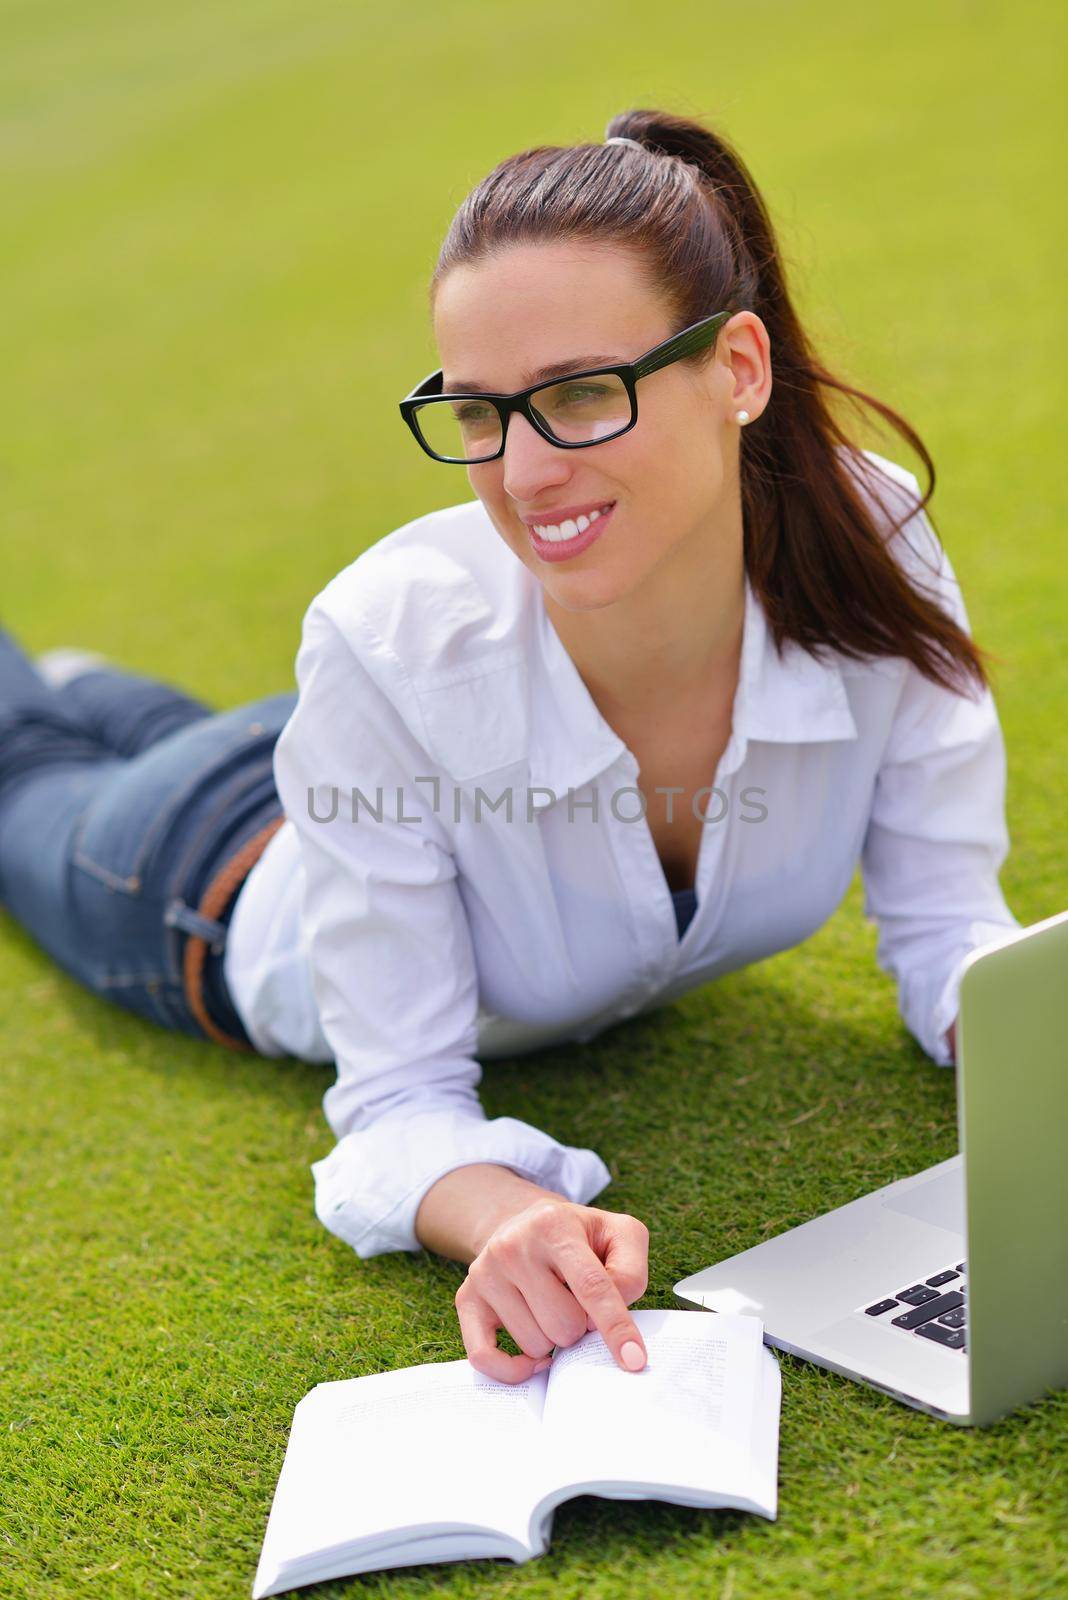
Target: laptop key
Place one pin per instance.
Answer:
(952, 1338)
(940, 1278)
(918, 1295)
(877, 1310)
(954, 1319)
(928, 1312)
(961, 1267)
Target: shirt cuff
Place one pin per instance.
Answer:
(369, 1188)
(987, 936)
(945, 1012)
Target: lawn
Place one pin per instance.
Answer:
(219, 221)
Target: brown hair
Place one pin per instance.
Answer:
(814, 551)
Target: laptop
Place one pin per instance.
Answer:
(947, 1290)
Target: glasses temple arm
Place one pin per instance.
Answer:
(683, 344)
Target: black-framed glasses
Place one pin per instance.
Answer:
(573, 412)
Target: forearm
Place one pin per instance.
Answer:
(459, 1212)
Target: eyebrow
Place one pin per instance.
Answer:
(558, 369)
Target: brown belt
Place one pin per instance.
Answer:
(214, 901)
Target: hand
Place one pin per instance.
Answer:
(547, 1275)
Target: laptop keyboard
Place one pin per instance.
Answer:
(933, 1308)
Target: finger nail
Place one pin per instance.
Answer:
(632, 1356)
(540, 1366)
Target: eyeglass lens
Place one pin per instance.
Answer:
(575, 411)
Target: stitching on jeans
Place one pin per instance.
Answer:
(166, 817)
(148, 841)
(243, 787)
(129, 886)
(218, 756)
(125, 980)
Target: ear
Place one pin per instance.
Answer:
(744, 349)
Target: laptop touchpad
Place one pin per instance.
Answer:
(939, 1200)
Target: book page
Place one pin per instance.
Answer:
(436, 1445)
(766, 1408)
(686, 1421)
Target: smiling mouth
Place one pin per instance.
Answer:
(562, 532)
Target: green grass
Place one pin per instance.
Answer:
(218, 225)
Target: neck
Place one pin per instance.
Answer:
(674, 640)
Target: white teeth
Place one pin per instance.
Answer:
(558, 534)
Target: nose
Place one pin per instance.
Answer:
(531, 463)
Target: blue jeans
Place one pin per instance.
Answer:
(120, 797)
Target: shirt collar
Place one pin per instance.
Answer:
(792, 699)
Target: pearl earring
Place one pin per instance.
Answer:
(741, 417)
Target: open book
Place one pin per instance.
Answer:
(438, 1463)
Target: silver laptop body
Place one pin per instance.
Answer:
(990, 1224)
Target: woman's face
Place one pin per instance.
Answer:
(671, 481)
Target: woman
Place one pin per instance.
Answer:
(625, 721)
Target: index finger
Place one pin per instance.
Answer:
(479, 1324)
(591, 1284)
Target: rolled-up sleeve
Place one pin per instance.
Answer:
(937, 837)
(393, 968)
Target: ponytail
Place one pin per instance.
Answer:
(817, 531)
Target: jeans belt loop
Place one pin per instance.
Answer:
(179, 915)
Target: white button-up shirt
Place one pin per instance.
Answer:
(466, 870)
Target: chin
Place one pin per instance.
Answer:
(583, 591)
